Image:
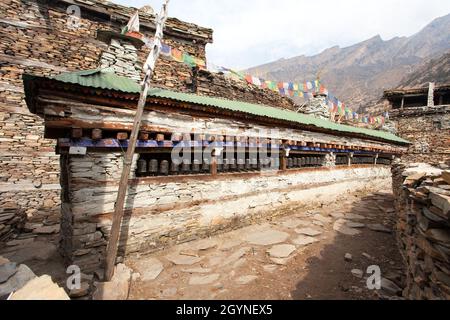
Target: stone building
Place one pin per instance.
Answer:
(46, 38)
(245, 154)
(422, 116)
(245, 161)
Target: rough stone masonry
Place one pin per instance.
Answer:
(423, 230)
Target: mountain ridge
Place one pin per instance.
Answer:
(358, 74)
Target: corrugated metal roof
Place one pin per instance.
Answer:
(109, 81)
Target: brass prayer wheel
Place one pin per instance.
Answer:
(174, 168)
(142, 166)
(196, 166)
(164, 168)
(153, 167)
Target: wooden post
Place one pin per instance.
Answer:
(403, 104)
(283, 163)
(111, 250)
(214, 165)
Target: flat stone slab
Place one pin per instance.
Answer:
(321, 218)
(204, 245)
(337, 215)
(197, 270)
(379, 228)
(42, 288)
(270, 268)
(17, 281)
(149, 268)
(117, 289)
(358, 273)
(293, 223)
(230, 244)
(280, 261)
(304, 241)
(37, 250)
(234, 257)
(281, 251)
(7, 270)
(341, 227)
(244, 280)
(266, 238)
(203, 280)
(355, 225)
(353, 216)
(183, 260)
(308, 232)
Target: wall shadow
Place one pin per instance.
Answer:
(329, 276)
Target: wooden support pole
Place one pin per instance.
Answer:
(112, 248)
(214, 165)
(283, 163)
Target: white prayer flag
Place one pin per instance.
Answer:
(153, 56)
(133, 25)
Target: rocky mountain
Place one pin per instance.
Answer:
(435, 70)
(358, 74)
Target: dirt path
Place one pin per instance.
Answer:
(237, 265)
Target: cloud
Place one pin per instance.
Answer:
(253, 32)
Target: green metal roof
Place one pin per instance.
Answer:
(102, 79)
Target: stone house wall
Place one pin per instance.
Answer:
(429, 134)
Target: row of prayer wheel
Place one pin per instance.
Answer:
(363, 160)
(304, 162)
(154, 167)
(341, 161)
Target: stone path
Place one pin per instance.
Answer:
(271, 260)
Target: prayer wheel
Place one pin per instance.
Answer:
(142, 167)
(174, 168)
(248, 165)
(153, 167)
(290, 163)
(164, 168)
(241, 165)
(220, 165)
(205, 166)
(196, 166)
(226, 165)
(233, 165)
(308, 161)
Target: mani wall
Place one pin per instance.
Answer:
(37, 39)
(166, 211)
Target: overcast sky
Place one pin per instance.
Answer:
(252, 32)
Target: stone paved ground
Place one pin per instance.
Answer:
(315, 254)
(305, 254)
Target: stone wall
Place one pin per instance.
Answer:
(37, 39)
(429, 133)
(218, 85)
(166, 211)
(423, 230)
